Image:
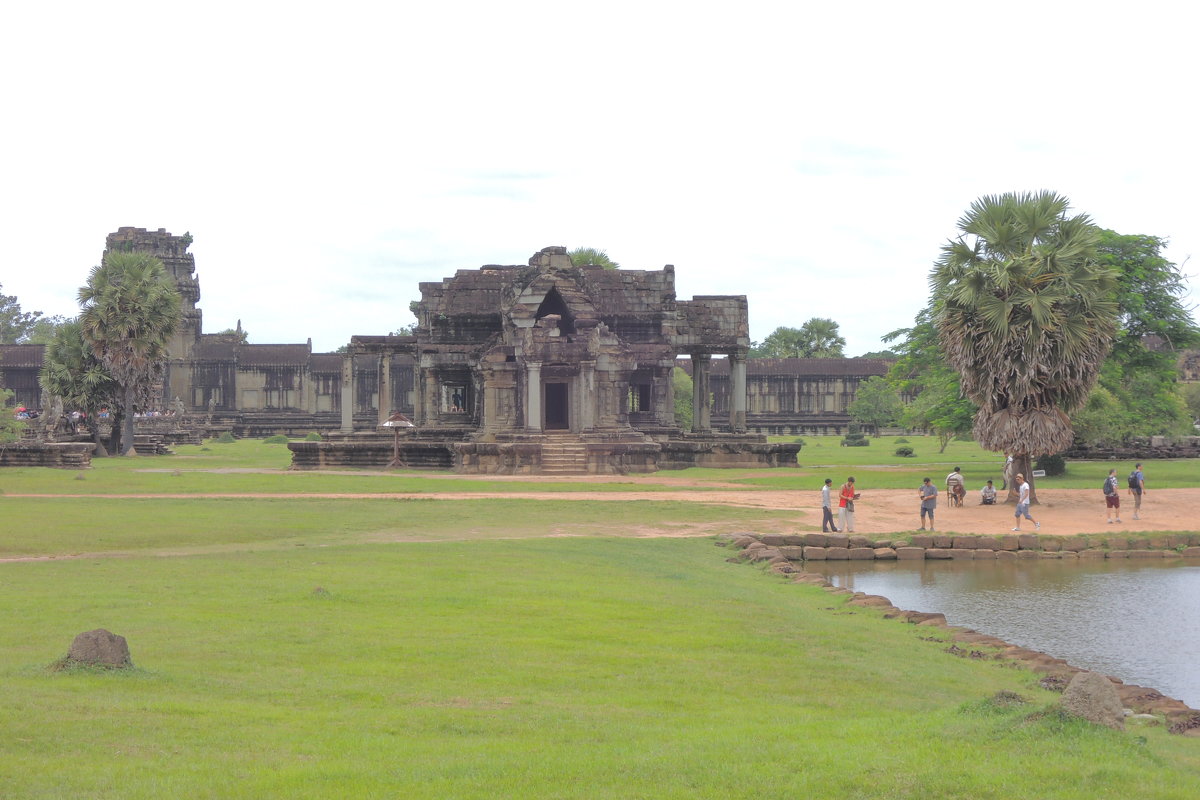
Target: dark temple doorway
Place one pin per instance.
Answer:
(557, 411)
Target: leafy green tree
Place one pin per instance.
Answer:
(582, 256)
(15, 324)
(74, 373)
(131, 309)
(681, 383)
(817, 338)
(922, 373)
(876, 403)
(1141, 380)
(1025, 313)
(43, 330)
(1191, 398)
(242, 335)
(10, 426)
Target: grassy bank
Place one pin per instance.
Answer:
(380, 647)
(536, 668)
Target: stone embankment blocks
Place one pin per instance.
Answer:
(940, 547)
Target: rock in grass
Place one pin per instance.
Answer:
(1093, 697)
(100, 648)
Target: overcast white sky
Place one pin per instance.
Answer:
(328, 157)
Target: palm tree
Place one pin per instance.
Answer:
(1026, 315)
(582, 256)
(131, 310)
(72, 372)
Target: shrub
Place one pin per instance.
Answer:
(226, 438)
(1054, 465)
(278, 438)
(313, 436)
(902, 440)
(855, 439)
(905, 452)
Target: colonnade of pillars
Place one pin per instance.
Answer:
(701, 393)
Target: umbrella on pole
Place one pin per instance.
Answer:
(397, 422)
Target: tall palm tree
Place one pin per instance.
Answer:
(1026, 315)
(131, 310)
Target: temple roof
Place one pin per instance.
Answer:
(22, 355)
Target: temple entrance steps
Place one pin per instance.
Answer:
(564, 454)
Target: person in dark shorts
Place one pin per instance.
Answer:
(1112, 496)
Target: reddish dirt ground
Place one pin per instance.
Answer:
(1061, 511)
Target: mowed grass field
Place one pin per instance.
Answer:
(429, 648)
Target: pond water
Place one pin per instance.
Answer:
(1138, 622)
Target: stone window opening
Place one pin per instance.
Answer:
(454, 399)
(553, 303)
(639, 398)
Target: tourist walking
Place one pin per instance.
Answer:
(1023, 504)
(846, 498)
(1112, 496)
(928, 495)
(1137, 488)
(827, 524)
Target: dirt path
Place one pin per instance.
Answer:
(886, 511)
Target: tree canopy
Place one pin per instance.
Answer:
(582, 256)
(875, 403)
(131, 309)
(15, 324)
(1138, 392)
(1026, 314)
(817, 338)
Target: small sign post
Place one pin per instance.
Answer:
(1039, 473)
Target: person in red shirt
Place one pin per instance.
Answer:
(846, 499)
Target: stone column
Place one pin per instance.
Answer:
(701, 402)
(385, 387)
(533, 395)
(737, 393)
(348, 393)
(586, 404)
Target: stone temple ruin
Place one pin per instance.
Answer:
(552, 367)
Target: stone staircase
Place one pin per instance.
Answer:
(564, 454)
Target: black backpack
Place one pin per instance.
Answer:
(1133, 480)
(1108, 487)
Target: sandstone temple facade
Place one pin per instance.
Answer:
(553, 366)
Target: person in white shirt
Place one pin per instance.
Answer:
(1023, 504)
(827, 523)
(987, 495)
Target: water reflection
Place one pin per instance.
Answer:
(1137, 621)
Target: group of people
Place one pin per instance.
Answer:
(956, 488)
(1136, 484)
(846, 497)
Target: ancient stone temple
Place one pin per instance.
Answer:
(555, 367)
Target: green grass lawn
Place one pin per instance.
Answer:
(432, 648)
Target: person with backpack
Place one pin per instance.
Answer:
(1137, 487)
(1112, 496)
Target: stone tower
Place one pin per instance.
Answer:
(172, 251)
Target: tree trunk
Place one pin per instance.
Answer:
(94, 429)
(117, 422)
(127, 425)
(1022, 465)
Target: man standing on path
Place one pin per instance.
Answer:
(827, 524)
(1112, 496)
(1137, 487)
(1023, 504)
(846, 498)
(928, 495)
